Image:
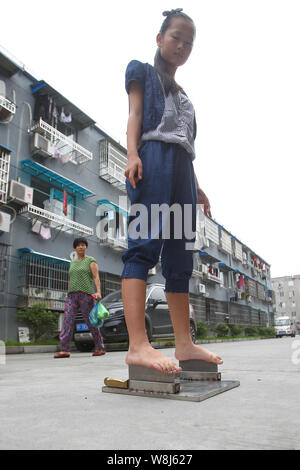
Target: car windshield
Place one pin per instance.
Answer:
(113, 297)
(282, 322)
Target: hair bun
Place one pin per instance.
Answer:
(172, 12)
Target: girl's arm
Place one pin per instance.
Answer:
(203, 199)
(134, 168)
(95, 273)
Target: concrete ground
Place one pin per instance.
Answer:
(58, 404)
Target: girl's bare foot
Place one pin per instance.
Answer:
(192, 351)
(146, 356)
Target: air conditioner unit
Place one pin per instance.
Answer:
(20, 193)
(42, 146)
(201, 288)
(152, 271)
(203, 269)
(4, 221)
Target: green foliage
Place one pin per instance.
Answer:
(40, 321)
(235, 329)
(202, 329)
(250, 330)
(266, 331)
(221, 329)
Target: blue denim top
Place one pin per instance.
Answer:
(154, 100)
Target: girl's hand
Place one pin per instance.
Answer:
(203, 199)
(134, 170)
(97, 296)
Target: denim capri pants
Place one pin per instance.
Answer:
(168, 178)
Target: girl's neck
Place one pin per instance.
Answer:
(79, 258)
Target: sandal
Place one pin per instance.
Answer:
(61, 354)
(99, 353)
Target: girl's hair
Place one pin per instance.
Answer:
(77, 242)
(168, 82)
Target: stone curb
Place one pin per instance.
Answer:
(115, 347)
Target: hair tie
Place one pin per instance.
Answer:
(172, 12)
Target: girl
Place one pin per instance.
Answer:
(160, 150)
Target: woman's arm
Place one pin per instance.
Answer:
(134, 168)
(95, 274)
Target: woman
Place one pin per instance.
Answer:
(83, 271)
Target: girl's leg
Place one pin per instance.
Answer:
(66, 333)
(140, 351)
(86, 303)
(185, 348)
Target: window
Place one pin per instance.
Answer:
(291, 294)
(281, 294)
(294, 314)
(291, 283)
(51, 199)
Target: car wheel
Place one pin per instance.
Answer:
(84, 347)
(193, 332)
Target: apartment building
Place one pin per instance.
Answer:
(287, 296)
(61, 177)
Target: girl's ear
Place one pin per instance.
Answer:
(159, 39)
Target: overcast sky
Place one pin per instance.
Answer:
(243, 78)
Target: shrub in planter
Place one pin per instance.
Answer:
(269, 331)
(221, 329)
(235, 329)
(202, 329)
(40, 321)
(250, 331)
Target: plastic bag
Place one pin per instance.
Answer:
(98, 314)
(102, 312)
(93, 317)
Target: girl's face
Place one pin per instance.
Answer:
(177, 42)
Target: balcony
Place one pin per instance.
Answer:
(114, 242)
(113, 162)
(7, 107)
(213, 278)
(55, 221)
(62, 146)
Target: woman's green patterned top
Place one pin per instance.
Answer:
(81, 278)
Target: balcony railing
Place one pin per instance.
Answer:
(56, 221)
(65, 147)
(111, 240)
(4, 173)
(7, 107)
(113, 162)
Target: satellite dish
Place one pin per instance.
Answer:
(73, 255)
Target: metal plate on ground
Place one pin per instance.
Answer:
(189, 391)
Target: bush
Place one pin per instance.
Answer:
(202, 329)
(266, 331)
(221, 329)
(42, 322)
(251, 331)
(235, 329)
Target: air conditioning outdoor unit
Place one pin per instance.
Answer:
(42, 146)
(203, 268)
(201, 288)
(4, 221)
(152, 271)
(20, 193)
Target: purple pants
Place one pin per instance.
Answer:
(78, 302)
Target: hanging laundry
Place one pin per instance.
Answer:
(65, 203)
(45, 232)
(66, 118)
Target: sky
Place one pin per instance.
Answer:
(243, 78)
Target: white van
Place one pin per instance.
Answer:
(284, 327)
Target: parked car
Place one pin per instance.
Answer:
(157, 320)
